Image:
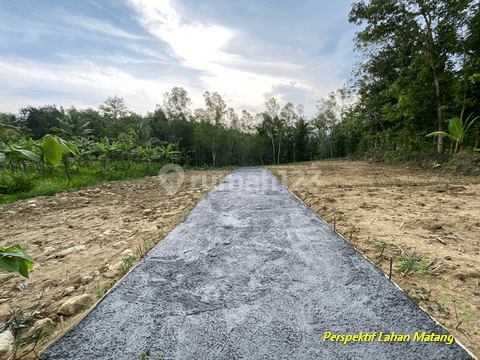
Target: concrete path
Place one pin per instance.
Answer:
(252, 273)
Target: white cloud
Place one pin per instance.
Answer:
(199, 46)
(83, 80)
(94, 25)
(195, 55)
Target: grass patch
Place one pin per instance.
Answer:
(29, 184)
(412, 264)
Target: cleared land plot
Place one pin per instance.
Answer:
(427, 214)
(253, 273)
(79, 239)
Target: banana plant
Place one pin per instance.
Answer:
(16, 260)
(168, 152)
(18, 153)
(3, 151)
(68, 148)
(8, 130)
(147, 155)
(49, 151)
(107, 150)
(126, 149)
(457, 129)
(84, 147)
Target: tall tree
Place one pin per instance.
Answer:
(325, 119)
(216, 108)
(270, 120)
(175, 106)
(40, 121)
(288, 116)
(413, 24)
(116, 116)
(114, 108)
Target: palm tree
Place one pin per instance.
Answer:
(72, 125)
(141, 134)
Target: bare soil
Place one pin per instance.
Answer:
(79, 239)
(425, 213)
(406, 208)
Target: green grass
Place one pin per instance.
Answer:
(128, 262)
(409, 263)
(25, 185)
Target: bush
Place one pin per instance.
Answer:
(11, 183)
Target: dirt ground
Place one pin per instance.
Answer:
(426, 214)
(79, 239)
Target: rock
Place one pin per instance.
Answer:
(147, 211)
(71, 250)
(127, 252)
(68, 251)
(39, 326)
(86, 279)
(108, 232)
(149, 229)
(113, 270)
(118, 244)
(448, 258)
(68, 291)
(48, 250)
(31, 201)
(6, 344)
(73, 305)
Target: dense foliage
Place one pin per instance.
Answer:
(420, 69)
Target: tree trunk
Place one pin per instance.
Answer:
(430, 50)
(279, 144)
(273, 144)
(439, 110)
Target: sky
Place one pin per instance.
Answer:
(79, 53)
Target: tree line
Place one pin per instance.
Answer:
(214, 135)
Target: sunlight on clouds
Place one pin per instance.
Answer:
(197, 44)
(200, 47)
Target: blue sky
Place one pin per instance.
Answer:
(81, 52)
